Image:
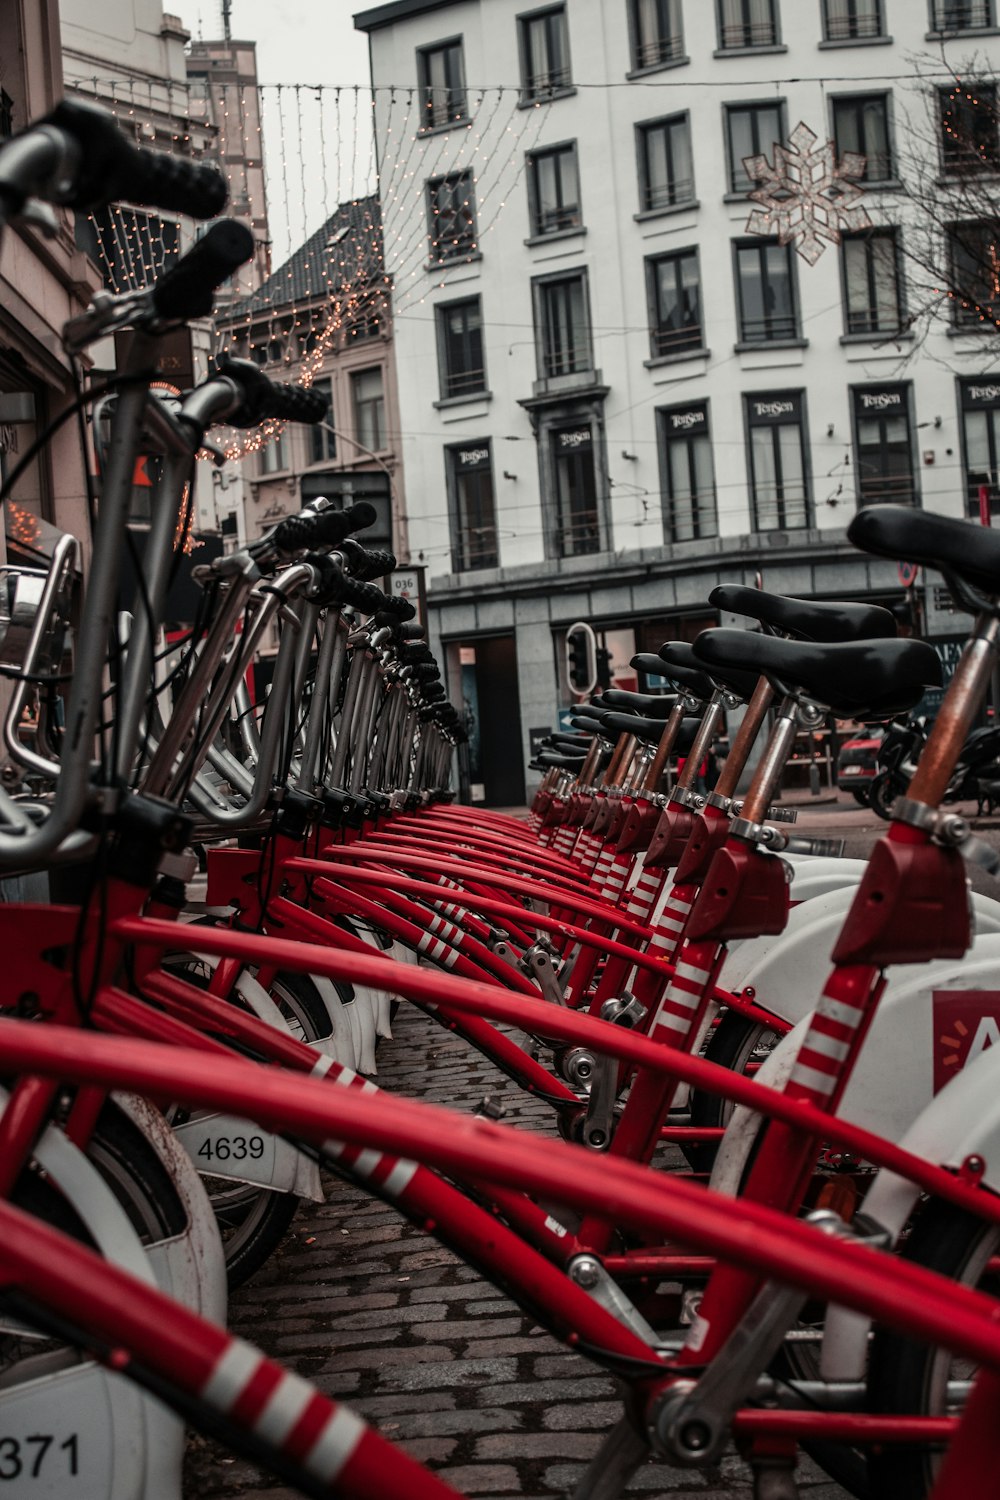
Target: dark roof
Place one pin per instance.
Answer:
(346, 251)
(395, 10)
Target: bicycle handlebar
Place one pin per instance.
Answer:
(187, 289)
(264, 398)
(367, 562)
(326, 529)
(77, 156)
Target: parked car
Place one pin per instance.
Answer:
(857, 764)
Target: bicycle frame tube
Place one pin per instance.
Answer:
(896, 1292)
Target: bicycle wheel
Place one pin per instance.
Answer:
(133, 1171)
(737, 1043)
(253, 1220)
(882, 794)
(906, 1376)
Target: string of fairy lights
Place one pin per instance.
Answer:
(382, 219)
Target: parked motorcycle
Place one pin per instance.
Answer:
(976, 777)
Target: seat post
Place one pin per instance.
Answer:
(753, 718)
(767, 777)
(956, 714)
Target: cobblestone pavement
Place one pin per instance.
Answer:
(378, 1314)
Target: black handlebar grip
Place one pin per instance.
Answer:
(327, 529)
(412, 630)
(410, 652)
(332, 526)
(399, 609)
(294, 403)
(187, 289)
(363, 596)
(367, 562)
(112, 168)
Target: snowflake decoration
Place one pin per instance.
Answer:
(807, 196)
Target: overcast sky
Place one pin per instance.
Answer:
(298, 41)
(317, 151)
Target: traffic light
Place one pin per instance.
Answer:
(581, 658)
(603, 668)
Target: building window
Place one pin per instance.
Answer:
(961, 15)
(452, 217)
(981, 440)
(766, 293)
(544, 55)
(322, 439)
(578, 528)
(441, 73)
(974, 256)
(273, 458)
(851, 20)
(554, 190)
(779, 483)
(883, 445)
(969, 128)
(747, 23)
(689, 508)
(675, 303)
(872, 299)
(460, 348)
(657, 33)
(861, 123)
(369, 407)
(474, 527)
(563, 326)
(751, 130)
(666, 169)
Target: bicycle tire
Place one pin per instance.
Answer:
(882, 793)
(907, 1376)
(732, 1045)
(253, 1221)
(131, 1167)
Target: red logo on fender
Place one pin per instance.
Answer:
(966, 1022)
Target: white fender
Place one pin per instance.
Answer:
(340, 1043)
(815, 874)
(788, 971)
(191, 1266)
(931, 1018)
(249, 1154)
(109, 1441)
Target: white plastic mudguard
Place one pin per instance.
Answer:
(72, 1428)
(191, 1266)
(927, 1077)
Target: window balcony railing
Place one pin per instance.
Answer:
(475, 547)
(668, 340)
(692, 520)
(579, 536)
(855, 28)
(444, 107)
(568, 361)
(465, 382)
(669, 194)
(769, 328)
(889, 489)
(739, 34)
(541, 85)
(551, 220)
(966, 15)
(656, 51)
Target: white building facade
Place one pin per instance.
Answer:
(612, 396)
